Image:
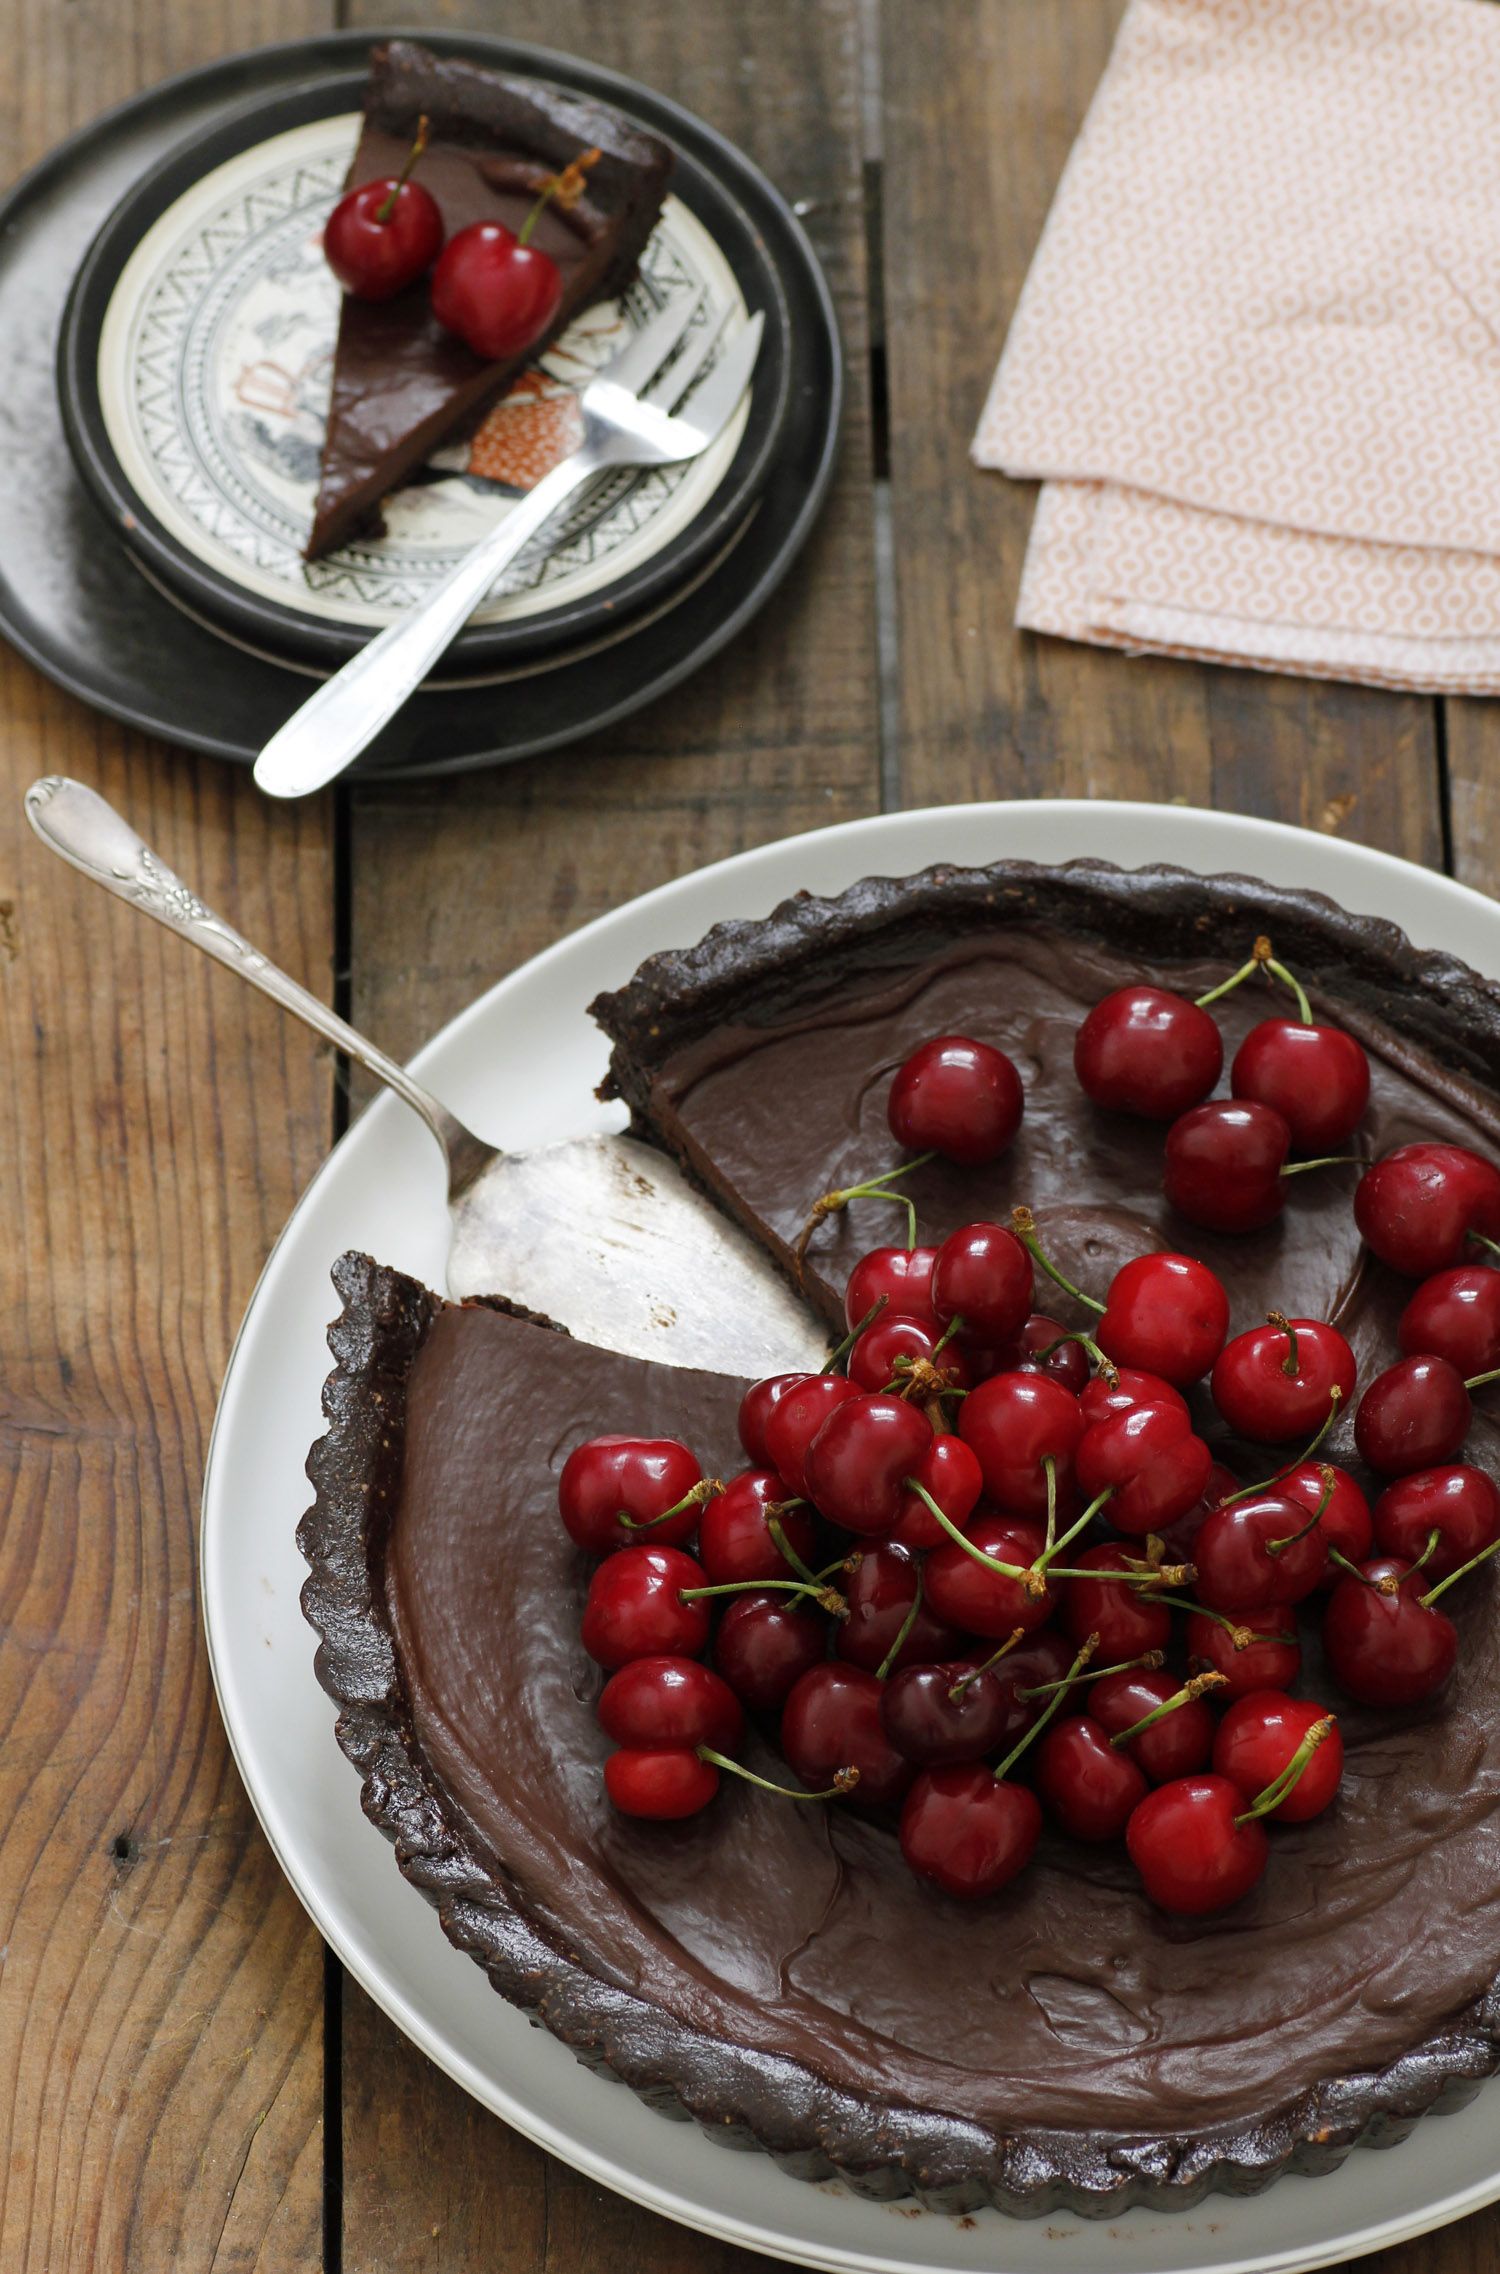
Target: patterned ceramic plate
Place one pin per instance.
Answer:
(194, 365)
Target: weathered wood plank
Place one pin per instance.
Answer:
(160, 1987)
(455, 884)
(979, 116)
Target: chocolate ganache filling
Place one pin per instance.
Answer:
(1131, 2055)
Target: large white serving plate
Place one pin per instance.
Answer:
(521, 1064)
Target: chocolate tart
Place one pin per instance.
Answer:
(401, 382)
(775, 1972)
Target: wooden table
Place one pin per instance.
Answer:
(189, 2083)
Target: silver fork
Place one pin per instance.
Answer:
(625, 423)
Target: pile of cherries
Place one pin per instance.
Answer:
(491, 286)
(984, 1569)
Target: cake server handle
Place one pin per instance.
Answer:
(346, 713)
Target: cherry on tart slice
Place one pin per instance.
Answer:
(493, 287)
(948, 1473)
(855, 1469)
(889, 1622)
(1148, 1461)
(1089, 1787)
(956, 1097)
(1223, 1165)
(900, 1278)
(1383, 1635)
(1258, 1551)
(1255, 1650)
(613, 1491)
(764, 1645)
(1272, 1384)
(735, 1536)
(641, 1604)
(381, 236)
(832, 1721)
(661, 1702)
(1440, 1518)
(1016, 1424)
(1455, 1315)
(1422, 1207)
(1415, 1415)
(1147, 1051)
(1260, 1737)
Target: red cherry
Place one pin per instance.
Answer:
(959, 1098)
(885, 1353)
(1144, 1050)
(977, 1600)
(380, 237)
(664, 1785)
(1455, 1315)
(880, 1592)
(949, 1472)
(756, 1408)
(944, 1713)
(1257, 1741)
(497, 294)
(1316, 1077)
(857, 1465)
(634, 1607)
(832, 1721)
(1385, 1645)
(1275, 1382)
(1345, 1521)
(611, 1487)
(1269, 1661)
(1417, 1207)
(1014, 1422)
(1248, 1554)
(795, 1421)
(1462, 1505)
(1166, 1315)
(983, 1276)
(1223, 1165)
(765, 1644)
(1413, 1416)
(660, 1702)
(1149, 1461)
(901, 1277)
(1090, 1787)
(1192, 1855)
(1042, 1349)
(1175, 1746)
(1126, 1619)
(1130, 1387)
(967, 1832)
(734, 1537)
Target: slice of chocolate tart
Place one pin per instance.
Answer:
(401, 382)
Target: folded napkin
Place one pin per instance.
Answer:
(1257, 358)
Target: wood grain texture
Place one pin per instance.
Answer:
(160, 1987)
(979, 115)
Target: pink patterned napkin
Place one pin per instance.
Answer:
(1257, 358)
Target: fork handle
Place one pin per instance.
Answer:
(346, 713)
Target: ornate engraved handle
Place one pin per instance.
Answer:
(77, 823)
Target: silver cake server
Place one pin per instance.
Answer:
(601, 1233)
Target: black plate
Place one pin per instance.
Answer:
(74, 605)
(736, 204)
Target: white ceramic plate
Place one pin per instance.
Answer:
(382, 1190)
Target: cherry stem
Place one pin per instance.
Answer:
(1324, 1161)
(1289, 1363)
(1151, 1660)
(707, 1488)
(991, 1563)
(1248, 1491)
(1017, 1634)
(784, 1545)
(1280, 1787)
(1145, 1578)
(1241, 1637)
(844, 1780)
(1196, 1687)
(873, 1188)
(566, 187)
(882, 1671)
(1048, 1710)
(1337, 1556)
(1055, 1548)
(1261, 959)
(840, 1352)
(1492, 1245)
(387, 207)
(827, 1598)
(1106, 1366)
(1023, 1224)
(1443, 1585)
(1049, 1545)
(1477, 1381)
(1290, 1539)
